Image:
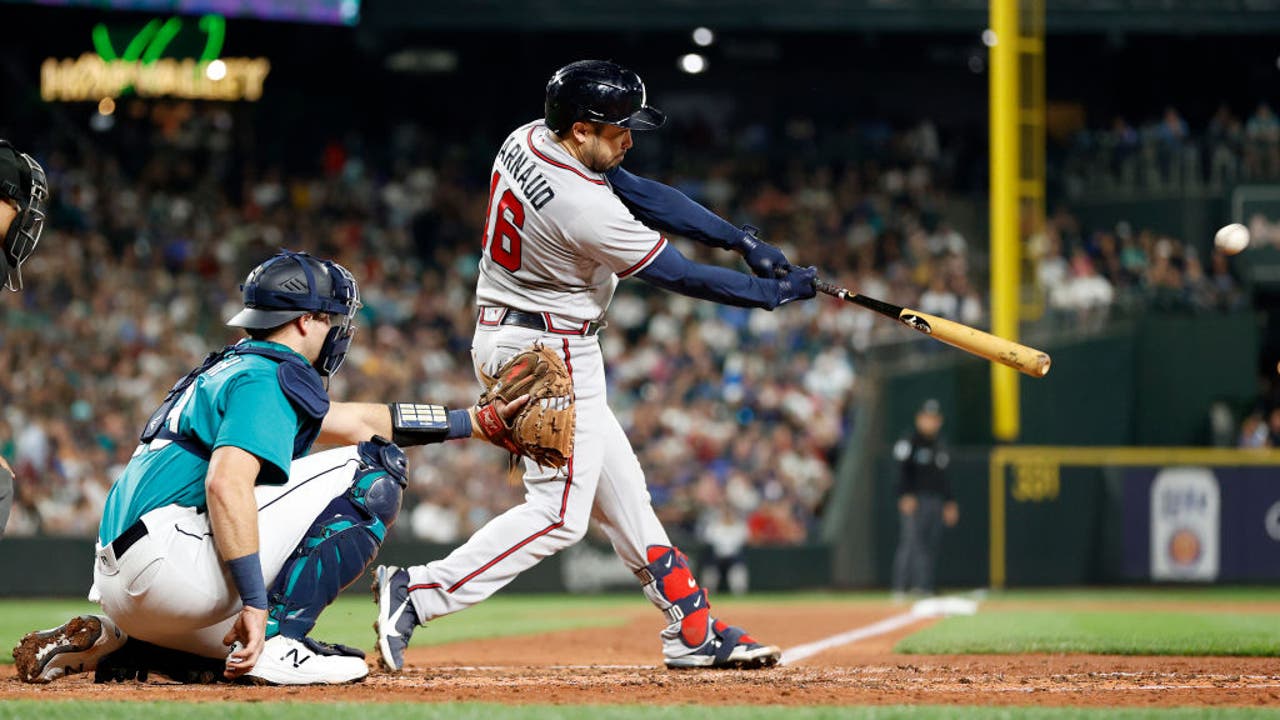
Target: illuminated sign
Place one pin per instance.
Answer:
(139, 68)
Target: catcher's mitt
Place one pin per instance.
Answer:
(543, 428)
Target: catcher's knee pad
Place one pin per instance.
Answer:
(668, 582)
(340, 544)
(380, 480)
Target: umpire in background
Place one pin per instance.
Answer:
(924, 502)
(24, 193)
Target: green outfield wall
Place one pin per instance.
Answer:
(1146, 383)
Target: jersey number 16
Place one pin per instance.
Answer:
(504, 244)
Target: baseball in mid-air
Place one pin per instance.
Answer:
(1232, 238)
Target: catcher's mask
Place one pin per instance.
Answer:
(292, 284)
(22, 181)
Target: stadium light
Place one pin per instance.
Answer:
(693, 63)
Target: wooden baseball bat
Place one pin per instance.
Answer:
(996, 349)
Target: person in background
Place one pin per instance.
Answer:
(725, 532)
(925, 503)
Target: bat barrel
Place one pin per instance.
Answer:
(1026, 360)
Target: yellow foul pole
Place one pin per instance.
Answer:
(1005, 241)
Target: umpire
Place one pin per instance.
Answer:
(24, 192)
(924, 502)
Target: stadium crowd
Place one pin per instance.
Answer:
(1165, 153)
(734, 413)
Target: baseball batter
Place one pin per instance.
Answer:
(222, 531)
(560, 232)
(24, 192)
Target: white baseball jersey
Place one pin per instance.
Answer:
(556, 237)
(556, 241)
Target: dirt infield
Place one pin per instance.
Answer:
(621, 666)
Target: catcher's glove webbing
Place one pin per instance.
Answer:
(543, 429)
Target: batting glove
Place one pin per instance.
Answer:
(798, 284)
(764, 259)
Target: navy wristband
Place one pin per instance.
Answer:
(246, 572)
(459, 424)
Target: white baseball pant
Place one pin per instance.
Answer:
(171, 589)
(604, 475)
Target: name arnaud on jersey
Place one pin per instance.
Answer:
(533, 185)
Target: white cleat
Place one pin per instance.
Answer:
(286, 661)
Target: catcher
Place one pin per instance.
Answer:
(223, 532)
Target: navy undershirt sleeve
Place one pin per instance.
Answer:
(671, 270)
(665, 208)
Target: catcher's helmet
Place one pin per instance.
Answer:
(22, 181)
(292, 284)
(599, 91)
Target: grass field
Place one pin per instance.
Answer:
(1143, 621)
(1106, 633)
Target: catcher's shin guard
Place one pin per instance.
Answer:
(693, 638)
(340, 544)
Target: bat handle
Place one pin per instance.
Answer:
(825, 287)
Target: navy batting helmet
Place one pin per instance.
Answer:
(22, 182)
(293, 284)
(599, 91)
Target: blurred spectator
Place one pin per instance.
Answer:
(156, 222)
(1262, 156)
(724, 530)
(1083, 292)
(1273, 427)
(1167, 153)
(1254, 433)
(1226, 145)
(774, 523)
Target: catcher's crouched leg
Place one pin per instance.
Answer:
(694, 638)
(95, 643)
(340, 544)
(138, 659)
(78, 645)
